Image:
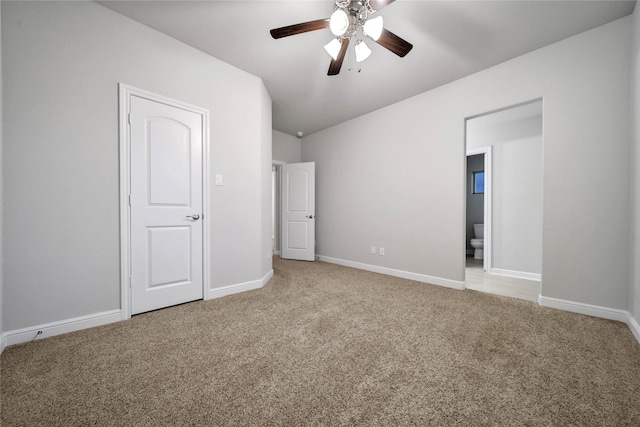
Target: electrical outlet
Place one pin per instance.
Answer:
(381, 251)
(373, 250)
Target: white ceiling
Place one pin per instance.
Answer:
(451, 39)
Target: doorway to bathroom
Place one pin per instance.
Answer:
(478, 223)
(504, 201)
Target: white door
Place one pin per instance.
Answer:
(166, 205)
(298, 211)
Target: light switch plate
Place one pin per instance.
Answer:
(218, 179)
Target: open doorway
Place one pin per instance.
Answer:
(276, 172)
(478, 207)
(504, 243)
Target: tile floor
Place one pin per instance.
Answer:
(478, 280)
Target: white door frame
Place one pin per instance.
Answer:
(278, 205)
(487, 203)
(125, 94)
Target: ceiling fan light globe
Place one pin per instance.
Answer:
(362, 51)
(373, 27)
(339, 22)
(333, 48)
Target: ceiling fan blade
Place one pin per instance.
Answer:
(379, 4)
(336, 64)
(292, 30)
(395, 44)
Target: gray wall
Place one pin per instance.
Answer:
(395, 177)
(634, 296)
(62, 65)
(266, 180)
(475, 202)
(516, 205)
(286, 148)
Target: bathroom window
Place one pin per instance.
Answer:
(478, 182)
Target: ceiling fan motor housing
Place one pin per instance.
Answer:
(357, 12)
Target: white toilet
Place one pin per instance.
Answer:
(478, 242)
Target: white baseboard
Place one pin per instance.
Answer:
(516, 274)
(595, 311)
(267, 277)
(71, 325)
(62, 327)
(396, 273)
(588, 309)
(239, 287)
(634, 326)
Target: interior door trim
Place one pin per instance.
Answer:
(125, 93)
(488, 221)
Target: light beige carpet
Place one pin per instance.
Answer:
(322, 344)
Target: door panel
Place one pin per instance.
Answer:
(298, 211)
(169, 162)
(169, 250)
(298, 235)
(298, 190)
(166, 205)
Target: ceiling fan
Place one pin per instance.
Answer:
(349, 19)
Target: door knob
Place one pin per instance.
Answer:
(194, 217)
(310, 216)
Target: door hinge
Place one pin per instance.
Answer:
(129, 118)
(129, 199)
